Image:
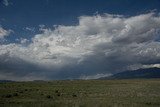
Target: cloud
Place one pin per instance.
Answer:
(6, 2)
(100, 44)
(30, 29)
(94, 76)
(4, 32)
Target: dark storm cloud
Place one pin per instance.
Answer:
(97, 46)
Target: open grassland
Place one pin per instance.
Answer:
(81, 93)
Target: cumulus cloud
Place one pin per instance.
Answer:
(100, 44)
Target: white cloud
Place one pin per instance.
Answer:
(4, 32)
(24, 40)
(94, 76)
(97, 45)
(31, 29)
(151, 66)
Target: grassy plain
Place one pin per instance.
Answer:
(81, 93)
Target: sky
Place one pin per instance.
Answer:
(77, 39)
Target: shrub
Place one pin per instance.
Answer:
(58, 94)
(56, 91)
(49, 96)
(15, 94)
(8, 96)
(74, 95)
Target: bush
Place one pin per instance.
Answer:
(8, 96)
(58, 94)
(56, 91)
(15, 94)
(49, 96)
(74, 95)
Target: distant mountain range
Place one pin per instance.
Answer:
(140, 73)
(131, 74)
(4, 81)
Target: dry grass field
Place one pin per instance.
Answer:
(81, 93)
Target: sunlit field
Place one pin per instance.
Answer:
(81, 93)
